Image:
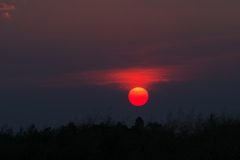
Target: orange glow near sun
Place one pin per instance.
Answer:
(130, 78)
(138, 96)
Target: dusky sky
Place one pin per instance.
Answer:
(66, 60)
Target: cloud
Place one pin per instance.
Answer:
(118, 78)
(4, 8)
(6, 14)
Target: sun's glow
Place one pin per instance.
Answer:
(120, 78)
(138, 96)
(130, 78)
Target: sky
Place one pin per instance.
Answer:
(64, 61)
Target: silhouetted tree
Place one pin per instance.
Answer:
(139, 124)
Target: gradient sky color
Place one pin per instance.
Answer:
(63, 60)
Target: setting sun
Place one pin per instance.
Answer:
(138, 96)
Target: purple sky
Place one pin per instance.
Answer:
(63, 60)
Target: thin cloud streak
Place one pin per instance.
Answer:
(193, 69)
(5, 7)
(119, 78)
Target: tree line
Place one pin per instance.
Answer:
(213, 137)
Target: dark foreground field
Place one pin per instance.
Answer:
(215, 137)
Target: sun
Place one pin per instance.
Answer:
(138, 96)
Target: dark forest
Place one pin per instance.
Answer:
(213, 137)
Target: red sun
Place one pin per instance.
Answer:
(138, 96)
